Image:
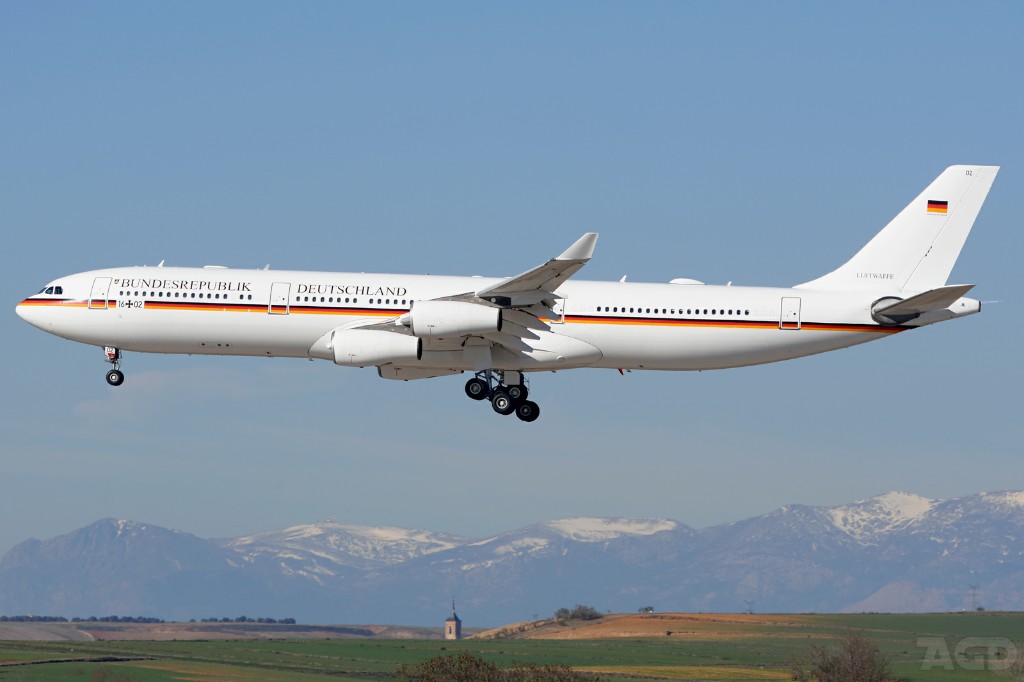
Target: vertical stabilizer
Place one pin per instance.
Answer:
(916, 251)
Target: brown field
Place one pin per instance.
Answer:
(674, 625)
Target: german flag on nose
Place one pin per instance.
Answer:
(938, 206)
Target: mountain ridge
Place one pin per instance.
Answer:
(896, 551)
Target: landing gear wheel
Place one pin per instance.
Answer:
(503, 403)
(476, 389)
(528, 411)
(115, 377)
(518, 392)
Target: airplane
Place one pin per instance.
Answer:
(501, 329)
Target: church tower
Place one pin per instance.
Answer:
(453, 625)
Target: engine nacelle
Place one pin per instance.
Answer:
(435, 319)
(366, 347)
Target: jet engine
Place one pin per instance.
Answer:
(366, 347)
(436, 319)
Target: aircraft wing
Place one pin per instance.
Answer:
(526, 302)
(540, 283)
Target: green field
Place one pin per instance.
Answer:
(742, 651)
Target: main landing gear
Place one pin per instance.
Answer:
(505, 398)
(115, 377)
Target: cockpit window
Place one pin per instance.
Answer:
(58, 290)
(48, 290)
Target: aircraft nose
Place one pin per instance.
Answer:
(30, 314)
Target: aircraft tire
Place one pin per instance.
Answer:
(476, 389)
(503, 403)
(528, 411)
(115, 377)
(518, 393)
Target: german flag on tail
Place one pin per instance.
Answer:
(938, 206)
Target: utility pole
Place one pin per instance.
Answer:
(974, 597)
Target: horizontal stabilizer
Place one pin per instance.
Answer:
(936, 299)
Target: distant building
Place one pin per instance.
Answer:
(453, 625)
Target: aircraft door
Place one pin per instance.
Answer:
(279, 294)
(790, 317)
(98, 295)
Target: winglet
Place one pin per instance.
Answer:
(582, 249)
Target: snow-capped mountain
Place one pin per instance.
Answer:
(318, 549)
(895, 552)
(874, 519)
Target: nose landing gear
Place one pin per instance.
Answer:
(115, 377)
(505, 398)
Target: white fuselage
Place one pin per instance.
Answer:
(221, 311)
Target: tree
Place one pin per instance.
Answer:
(856, 659)
(466, 668)
(579, 612)
(584, 612)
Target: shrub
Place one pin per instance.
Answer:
(856, 659)
(466, 668)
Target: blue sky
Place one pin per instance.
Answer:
(759, 143)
